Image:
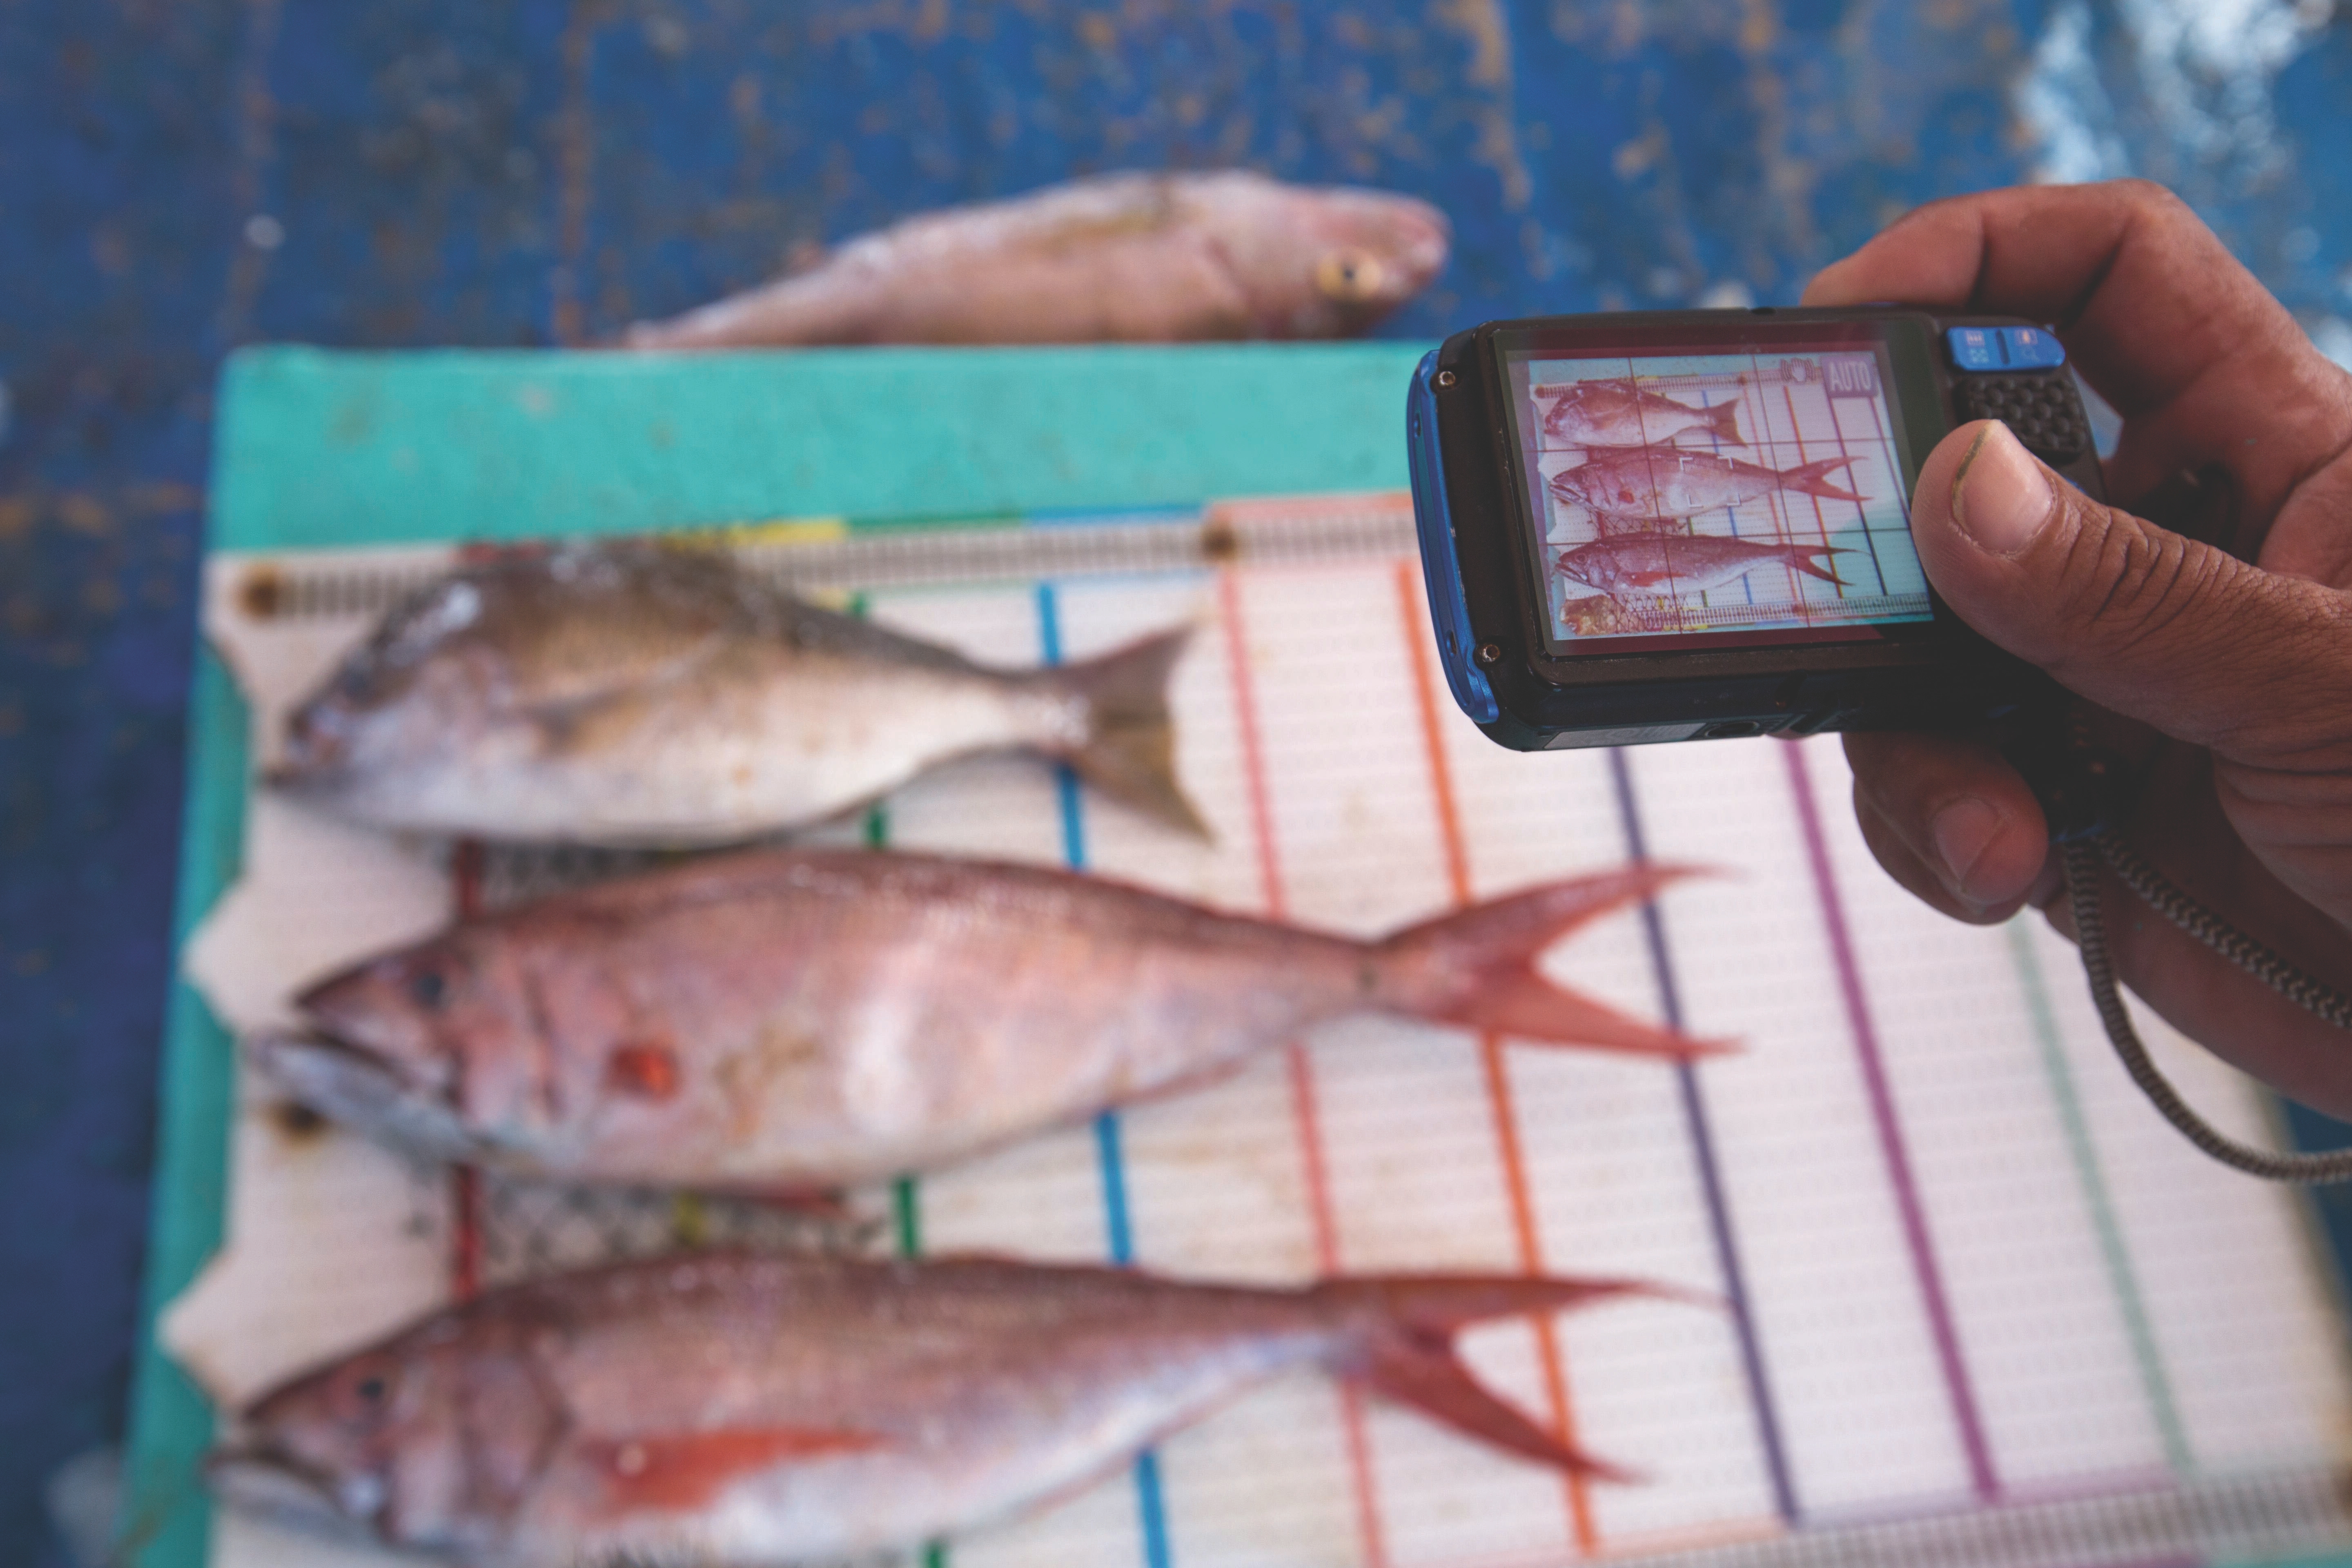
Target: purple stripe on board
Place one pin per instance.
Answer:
(2068, 1492)
(1710, 1176)
(1981, 1476)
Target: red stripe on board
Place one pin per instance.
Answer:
(1302, 1069)
(465, 1182)
(1419, 645)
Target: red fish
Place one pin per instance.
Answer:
(731, 1409)
(1620, 413)
(1670, 482)
(1115, 258)
(778, 1020)
(1670, 565)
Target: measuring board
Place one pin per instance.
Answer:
(1977, 1302)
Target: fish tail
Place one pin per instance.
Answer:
(1477, 966)
(1725, 419)
(1802, 560)
(1403, 1348)
(1812, 480)
(1129, 749)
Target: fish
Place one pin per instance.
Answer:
(1124, 257)
(1620, 413)
(638, 695)
(737, 1409)
(1670, 565)
(1673, 482)
(789, 1020)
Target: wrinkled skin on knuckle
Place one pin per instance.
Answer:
(2295, 669)
(2129, 597)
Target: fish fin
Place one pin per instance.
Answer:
(1477, 966)
(1129, 750)
(1648, 579)
(1407, 1351)
(1812, 480)
(1724, 420)
(682, 1471)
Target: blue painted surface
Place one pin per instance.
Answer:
(175, 179)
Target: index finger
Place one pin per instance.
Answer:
(2155, 313)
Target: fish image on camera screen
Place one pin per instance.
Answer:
(728, 1408)
(1684, 564)
(1652, 531)
(640, 695)
(1618, 413)
(1648, 482)
(780, 1021)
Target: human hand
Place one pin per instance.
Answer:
(2222, 664)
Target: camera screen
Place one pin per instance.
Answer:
(1750, 496)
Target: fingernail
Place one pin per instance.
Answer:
(2001, 497)
(1963, 831)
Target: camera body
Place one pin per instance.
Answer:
(1693, 524)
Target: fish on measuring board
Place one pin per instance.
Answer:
(1617, 413)
(787, 1020)
(1670, 565)
(1126, 257)
(651, 696)
(730, 1408)
(1676, 482)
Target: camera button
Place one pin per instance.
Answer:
(1982, 350)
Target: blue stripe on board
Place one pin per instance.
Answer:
(1120, 1232)
(1710, 1174)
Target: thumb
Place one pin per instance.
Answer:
(2140, 620)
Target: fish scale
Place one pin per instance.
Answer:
(1126, 257)
(633, 694)
(763, 1410)
(796, 1019)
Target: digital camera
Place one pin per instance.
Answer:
(1680, 525)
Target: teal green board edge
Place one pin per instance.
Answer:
(166, 1518)
(320, 448)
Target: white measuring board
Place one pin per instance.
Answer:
(1977, 1299)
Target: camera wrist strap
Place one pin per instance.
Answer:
(2082, 856)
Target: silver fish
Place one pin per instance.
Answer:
(639, 695)
(725, 1409)
(1671, 565)
(1667, 482)
(1118, 258)
(1618, 413)
(778, 1021)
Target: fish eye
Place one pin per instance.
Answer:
(367, 1389)
(1349, 275)
(429, 988)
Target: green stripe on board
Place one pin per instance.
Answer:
(2153, 1381)
(906, 1200)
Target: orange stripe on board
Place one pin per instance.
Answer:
(1302, 1069)
(465, 1182)
(1419, 644)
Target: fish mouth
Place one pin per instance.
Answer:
(262, 1479)
(362, 1088)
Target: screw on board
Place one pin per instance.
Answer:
(1446, 378)
(1490, 653)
